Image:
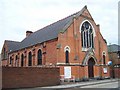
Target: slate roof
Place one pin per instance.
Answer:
(48, 33)
(12, 45)
(113, 48)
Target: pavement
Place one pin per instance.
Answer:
(92, 82)
(73, 84)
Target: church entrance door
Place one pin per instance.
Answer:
(91, 64)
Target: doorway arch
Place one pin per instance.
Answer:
(91, 63)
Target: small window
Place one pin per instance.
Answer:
(67, 56)
(16, 57)
(10, 60)
(104, 62)
(22, 60)
(30, 59)
(16, 60)
(104, 56)
(67, 51)
(39, 57)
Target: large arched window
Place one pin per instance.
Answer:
(39, 56)
(87, 35)
(22, 60)
(30, 59)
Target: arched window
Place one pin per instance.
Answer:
(39, 56)
(67, 56)
(104, 54)
(67, 51)
(30, 59)
(87, 35)
(16, 60)
(16, 57)
(104, 60)
(22, 60)
(10, 60)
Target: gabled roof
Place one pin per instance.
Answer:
(49, 32)
(12, 45)
(113, 48)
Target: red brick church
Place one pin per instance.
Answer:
(73, 43)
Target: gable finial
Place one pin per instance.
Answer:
(85, 6)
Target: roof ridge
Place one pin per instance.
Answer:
(85, 7)
(11, 41)
(54, 23)
(114, 45)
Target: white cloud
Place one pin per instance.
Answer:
(17, 16)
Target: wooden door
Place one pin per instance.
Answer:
(91, 64)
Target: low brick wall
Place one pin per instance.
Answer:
(117, 72)
(23, 77)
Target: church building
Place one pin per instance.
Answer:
(73, 43)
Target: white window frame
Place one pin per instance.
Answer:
(67, 48)
(94, 34)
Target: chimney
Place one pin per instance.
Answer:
(28, 33)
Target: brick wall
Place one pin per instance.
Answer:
(4, 62)
(117, 72)
(47, 56)
(114, 58)
(22, 77)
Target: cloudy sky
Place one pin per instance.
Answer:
(119, 23)
(18, 16)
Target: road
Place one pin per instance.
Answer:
(104, 85)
